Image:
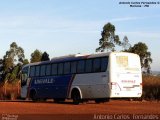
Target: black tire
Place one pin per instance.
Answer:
(76, 97)
(43, 99)
(33, 95)
(107, 100)
(101, 100)
(58, 100)
(98, 101)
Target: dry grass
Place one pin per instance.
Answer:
(151, 87)
(9, 91)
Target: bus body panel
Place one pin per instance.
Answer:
(92, 86)
(125, 75)
(122, 78)
(51, 87)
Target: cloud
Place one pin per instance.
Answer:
(46, 24)
(142, 34)
(125, 19)
(128, 18)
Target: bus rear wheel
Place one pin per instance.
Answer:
(33, 95)
(76, 97)
(100, 100)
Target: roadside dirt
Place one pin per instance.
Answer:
(50, 110)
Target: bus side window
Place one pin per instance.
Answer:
(73, 67)
(43, 69)
(48, 70)
(67, 68)
(54, 69)
(96, 65)
(80, 67)
(37, 70)
(32, 71)
(60, 68)
(88, 66)
(104, 64)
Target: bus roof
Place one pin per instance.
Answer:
(74, 57)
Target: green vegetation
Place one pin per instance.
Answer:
(109, 39)
(12, 63)
(45, 56)
(125, 43)
(36, 56)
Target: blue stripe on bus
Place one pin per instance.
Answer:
(70, 84)
(52, 87)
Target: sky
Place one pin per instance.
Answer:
(62, 27)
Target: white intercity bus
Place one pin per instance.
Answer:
(96, 77)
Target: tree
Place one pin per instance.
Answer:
(1, 61)
(15, 52)
(1, 68)
(145, 56)
(25, 61)
(109, 39)
(14, 73)
(36, 56)
(13, 56)
(1, 64)
(12, 62)
(45, 56)
(8, 64)
(125, 43)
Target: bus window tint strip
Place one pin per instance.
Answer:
(37, 70)
(60, 69)
(54, 69)
(48, 70)
(104, 64)
(32, 71)
(67, 68)
(96, 65)
(43, 70)
(88, 67)
(72, 67)
(81, 65)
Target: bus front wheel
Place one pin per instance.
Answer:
(58, 100)
(76, 97)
